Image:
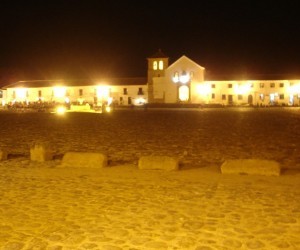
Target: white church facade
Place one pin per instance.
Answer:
(183, 82)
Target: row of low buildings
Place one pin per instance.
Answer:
(183, 81)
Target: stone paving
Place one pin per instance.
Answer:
(121, 207)
(46, 207)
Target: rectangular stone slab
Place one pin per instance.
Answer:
(158, 162)
(84, 160)
(251, 167)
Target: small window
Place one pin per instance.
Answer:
(261, 85)
(240, 97)
(80, 92)
(121, 100)
(155, 65)
(213, 86)
(213, 96)
(129, 101)
(223, 97)
(161, 65)
(229, 85)
(1, 94)
(281, 96)
(140, 91)
(40, 93)
(272, 85)
(281, 85)
(125, 91)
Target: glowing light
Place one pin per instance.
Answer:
(107, 109)
(242, 89)
(59, 92)
(176, 78)
(61, 110)
(109, 100)
(184, 93)
(203, 89)
(21, 93)
(102, 92)
(3, 102)
(295, 89)
(184, 78)
(140, 101)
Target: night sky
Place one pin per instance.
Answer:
(93, 39)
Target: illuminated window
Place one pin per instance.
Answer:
(155, 65)
(223, 97)
(184, 93)
(176, 77)
(125, 91)
(213, 96)
(229, 85)
(281, 85)
(184, 78)
(161, 65)
(281, 96)
(272, 85)
(261, 85)
(213, 86)
(240, 97)
(80, 92)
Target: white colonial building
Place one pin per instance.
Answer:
(181, 82)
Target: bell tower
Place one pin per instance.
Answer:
(157, 63)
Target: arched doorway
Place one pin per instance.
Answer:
(184, 93)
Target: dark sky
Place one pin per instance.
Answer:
(89, 39)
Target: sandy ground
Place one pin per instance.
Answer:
(43, 206)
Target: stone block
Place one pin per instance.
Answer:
(251, 167)
(41, 153)
(3, 155)
(158, 162)
(84, 160)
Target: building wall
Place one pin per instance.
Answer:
(166, 85)
(122, 95)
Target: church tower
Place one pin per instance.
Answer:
(157, 63)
